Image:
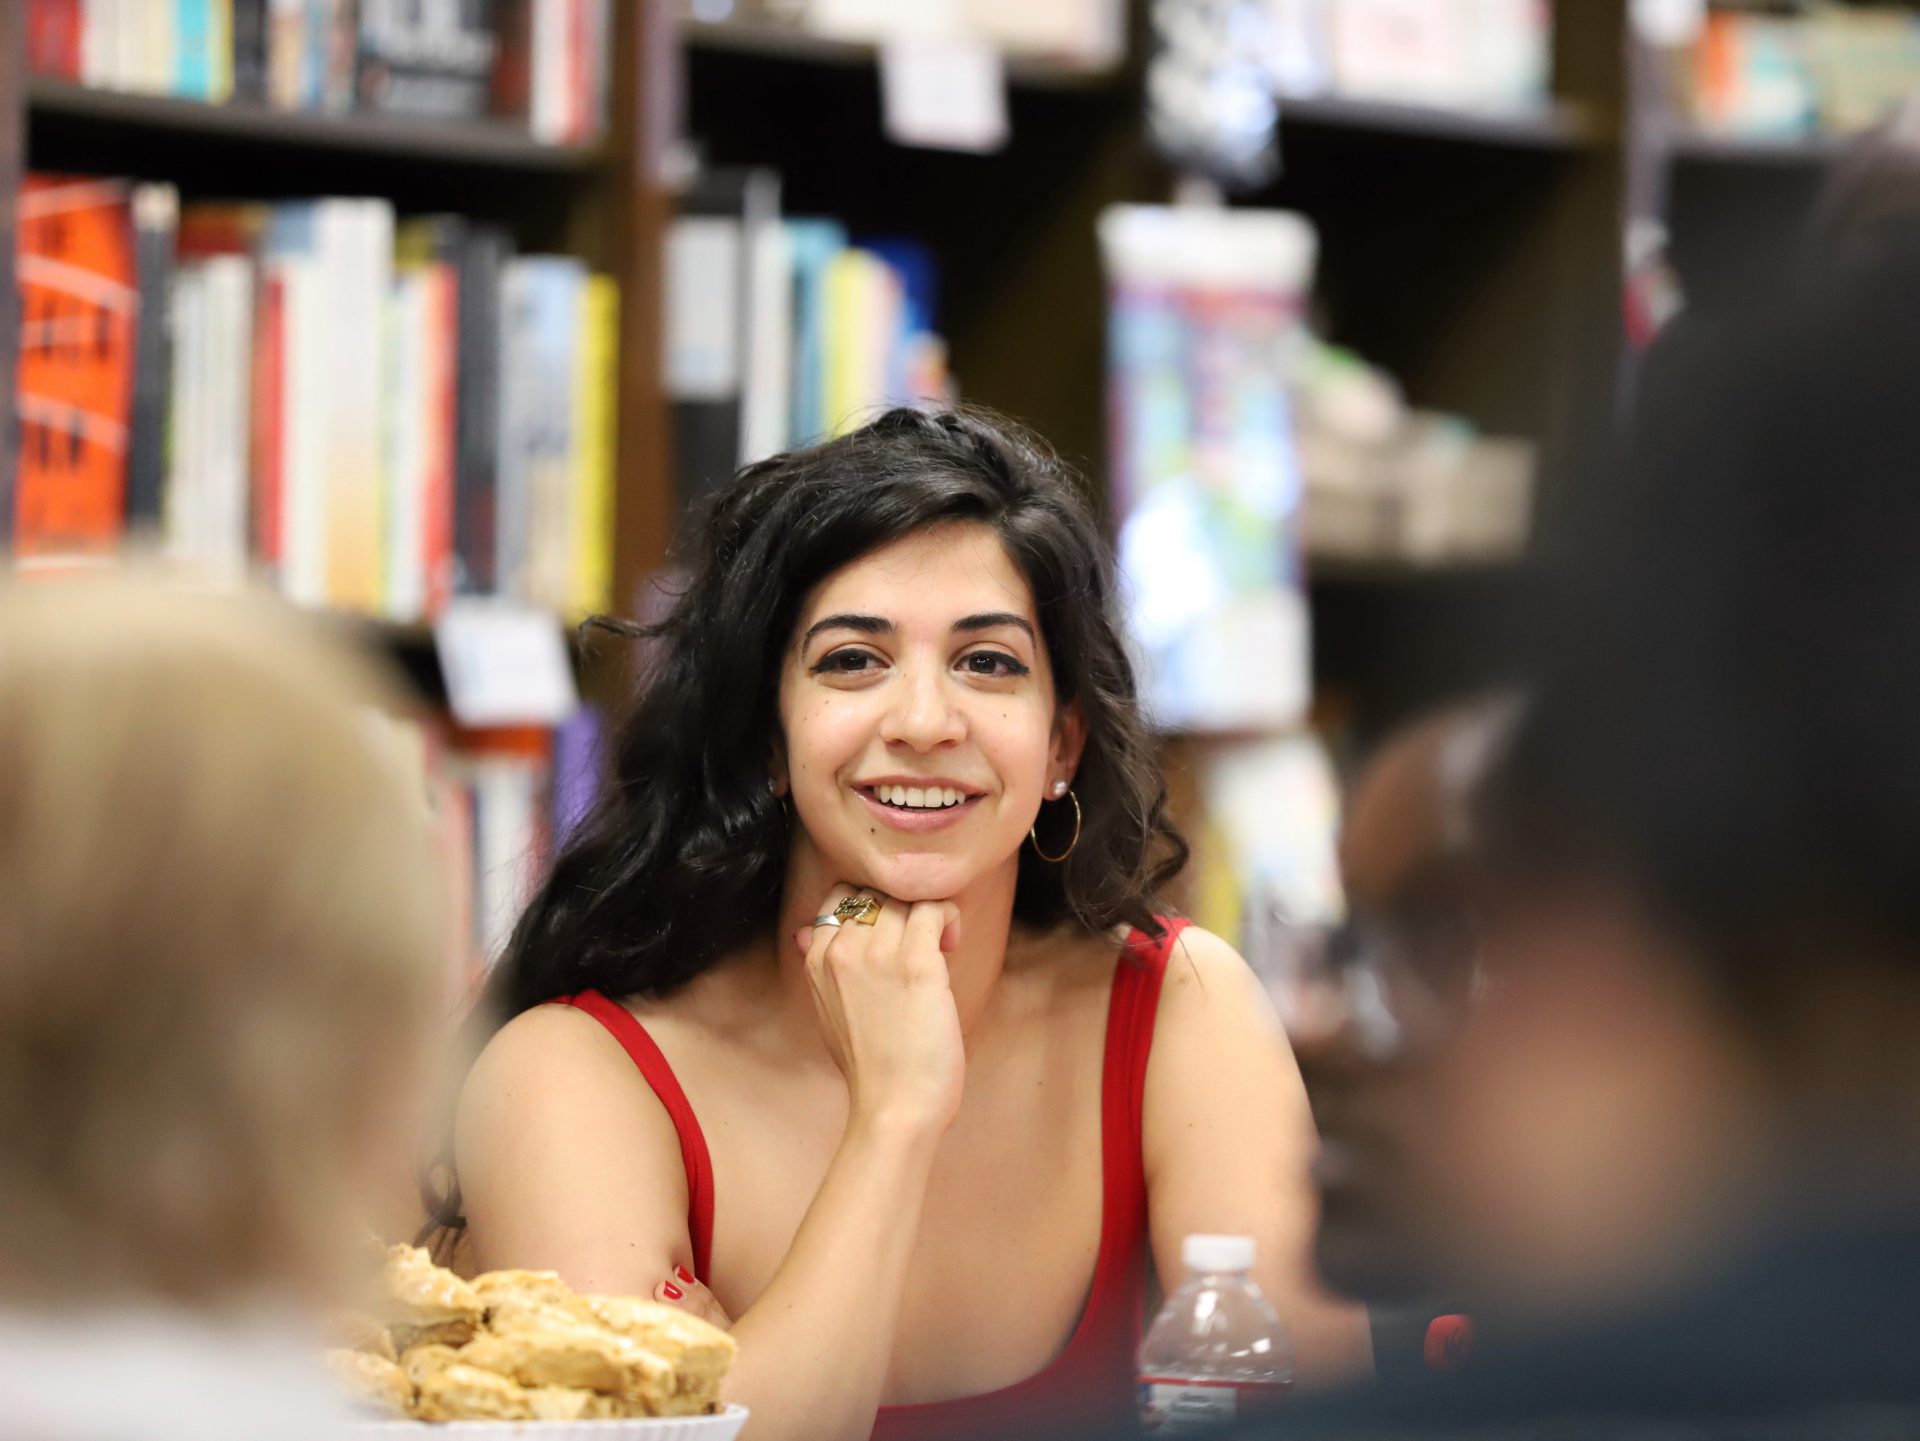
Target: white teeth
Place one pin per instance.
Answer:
(928, 798)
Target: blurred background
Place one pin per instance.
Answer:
(435, 314)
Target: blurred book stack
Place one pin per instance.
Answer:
(539, 62)
(1386, 484)
(1795, 71)
(1483, 55)
(373, 416)
(784, 331)
(501, 802)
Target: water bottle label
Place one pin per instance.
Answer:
(1186, 1406)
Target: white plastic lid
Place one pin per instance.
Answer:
(1207, 1254)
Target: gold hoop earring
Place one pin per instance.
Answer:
(1034, 834)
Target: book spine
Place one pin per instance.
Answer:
(596, 379)
(441, 422)
(193, 49)
(402, 427)
(78, 305)
(482, 257)
(54, 38)
(186, 470)
(339, 54)
(286, 53)
(229, 294)
(548, 102)
(357, 252)
(249, 50)
(513, 60)
(220, 51)
(550, 434)
(512, 503)
(304, 434)
(156, 212)
(269, 409)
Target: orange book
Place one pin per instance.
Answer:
(79, 308)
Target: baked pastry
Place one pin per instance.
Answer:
(701, 1354)
(556, 1348)
(522, 1346)
(373, 1379)
(421, 1303)
(466, 1393)
(496, 1288)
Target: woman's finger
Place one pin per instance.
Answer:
(685, 1293)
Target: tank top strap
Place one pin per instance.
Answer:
(1131, 1013)
(625, 1028)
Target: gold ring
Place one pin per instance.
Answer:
(861, 910)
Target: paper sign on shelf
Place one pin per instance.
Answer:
(943, 93)
(504, 664)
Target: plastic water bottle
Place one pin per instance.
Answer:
(1216, 1353)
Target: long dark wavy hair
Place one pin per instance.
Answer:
(681, 860)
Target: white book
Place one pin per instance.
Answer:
(549, 103)
(185, 504)
(100, 43)
(229, 299)
(766, 400)
(355, 240)
(406, 435)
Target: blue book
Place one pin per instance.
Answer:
(814, 244)
(193, 49)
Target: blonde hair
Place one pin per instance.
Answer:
(219, 942)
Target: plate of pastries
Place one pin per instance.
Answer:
(520, 1351)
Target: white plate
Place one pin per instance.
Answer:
(723, 1427)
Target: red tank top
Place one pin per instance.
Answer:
(1091, 1381)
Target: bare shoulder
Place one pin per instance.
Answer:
(567, 1160)
(1205, 973)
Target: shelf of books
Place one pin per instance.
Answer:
(264, 337)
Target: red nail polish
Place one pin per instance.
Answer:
(673, 1292)
(684, 1274)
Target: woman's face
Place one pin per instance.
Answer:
(917, 707)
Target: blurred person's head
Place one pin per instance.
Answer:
(1703, 956)
(219, 948)
(1393, 982)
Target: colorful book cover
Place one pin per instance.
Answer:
(426, 59)
(53, 38)
(540, 307)
(193, 48)
(79, 308)
(596, 388)
(812, 246)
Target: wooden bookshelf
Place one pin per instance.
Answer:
(605, 202)
(491, 145)
(1561, 125)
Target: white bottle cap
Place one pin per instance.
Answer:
(1207, 1254)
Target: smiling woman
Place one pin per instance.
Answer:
(861, 1129)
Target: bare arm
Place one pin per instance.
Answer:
(1229, 1142)
(568, 1162)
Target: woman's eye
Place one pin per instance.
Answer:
(846, 662)
(993, 663)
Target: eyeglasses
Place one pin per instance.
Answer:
(1390, 984)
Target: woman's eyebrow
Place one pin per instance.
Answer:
(865, 624)
(993, 619)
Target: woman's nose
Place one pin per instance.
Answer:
(923, 713)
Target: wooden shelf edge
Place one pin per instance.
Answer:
(1560, 125)
(492, 144)
(781, 42)
(1691, 143)
(1339, 571)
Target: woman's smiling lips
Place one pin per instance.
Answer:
(927, 816)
